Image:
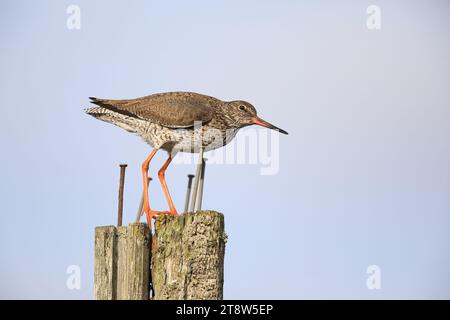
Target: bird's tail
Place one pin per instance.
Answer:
(96, 111)
(115, 118)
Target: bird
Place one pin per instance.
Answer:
(177, 122)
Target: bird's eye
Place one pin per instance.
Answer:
(242, 107)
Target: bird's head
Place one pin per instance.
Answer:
(244, 114)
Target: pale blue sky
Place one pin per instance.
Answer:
(364, 172)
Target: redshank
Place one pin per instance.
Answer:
(177, 121)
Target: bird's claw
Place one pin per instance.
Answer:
(153, 214)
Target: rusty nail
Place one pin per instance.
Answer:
(121, 187)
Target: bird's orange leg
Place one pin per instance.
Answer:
(161, 175)
(146, 207)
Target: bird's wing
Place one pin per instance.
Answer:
(171, 109)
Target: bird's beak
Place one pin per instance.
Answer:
(263, 123)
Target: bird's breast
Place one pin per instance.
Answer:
(188, 139)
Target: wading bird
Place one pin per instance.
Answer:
(177, 121)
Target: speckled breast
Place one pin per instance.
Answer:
(186, 140)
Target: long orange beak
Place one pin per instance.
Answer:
(263, 123)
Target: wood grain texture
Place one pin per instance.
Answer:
(122, 262)
(188, 256)
(135, 262)
(104, 263)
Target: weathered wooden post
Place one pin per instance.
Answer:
(105, 268)
(188, 255)
(122, 262)
(185, 258)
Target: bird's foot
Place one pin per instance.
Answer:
(152, 214)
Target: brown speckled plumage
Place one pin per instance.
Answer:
(177, 121)
(171, 109)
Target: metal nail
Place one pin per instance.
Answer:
(188, 192)
(141, 204)
(197, 175)
(121, 187)
(202, 180)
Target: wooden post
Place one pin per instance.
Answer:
(188, 255)
(104, 267)
(122, 262)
